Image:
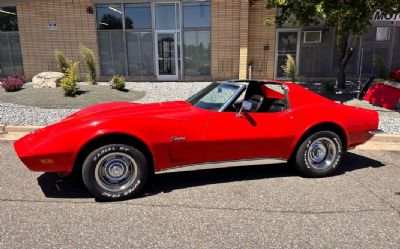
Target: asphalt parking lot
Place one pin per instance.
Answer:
(247, 207)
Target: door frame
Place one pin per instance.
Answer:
(277, 48)
(178, 73)
(172, 76)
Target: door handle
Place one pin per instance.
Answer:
(172, 139)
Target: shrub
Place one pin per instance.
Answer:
(380, 67)
(90, 64)
(289, 69)
(12, 83)
(20, 77)
(117, 82)
(62, 61)
(69, 82)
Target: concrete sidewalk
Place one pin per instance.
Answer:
(378, 142)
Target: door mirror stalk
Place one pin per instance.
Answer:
(246, 106)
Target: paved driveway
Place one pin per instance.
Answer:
(248, 207)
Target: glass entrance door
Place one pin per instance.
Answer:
(167, 56)
(167, 24)
(288, 43)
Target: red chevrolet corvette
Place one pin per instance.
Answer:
(115, 146)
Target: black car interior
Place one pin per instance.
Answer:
(260, 102)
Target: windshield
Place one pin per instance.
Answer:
(215, 96)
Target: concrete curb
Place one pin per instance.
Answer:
(2, 129)
(20, 129)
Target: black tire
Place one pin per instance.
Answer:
(319, 155)
(115, 172)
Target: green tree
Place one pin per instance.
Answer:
(348, 17)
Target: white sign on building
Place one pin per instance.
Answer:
(380, 16)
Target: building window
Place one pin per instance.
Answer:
(126, 36)
(312, 36)
(140, 53)
(10, 49)
(167, 16)
(197, 15)
(109, 16)
(131, 43)
(137, 16)
(382, 34)
(197, 39)
(112, 53)
(197, 51)
(111, 39)
(8, 19)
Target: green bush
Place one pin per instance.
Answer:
(90, 64)
(62, 61)
(289, 69)
(380, 67)
(69, 82)
(117, 82)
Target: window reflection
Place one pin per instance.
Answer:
(197, 15)
(8, 19)
(109, 16)
(10, 48)
(137, 16)
(197, 53)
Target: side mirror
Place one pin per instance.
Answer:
(246, 106)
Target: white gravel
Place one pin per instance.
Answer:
(12, 114)
(165, 91)
(389, 121)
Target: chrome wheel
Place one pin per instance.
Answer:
(322, 153)
(116, 172)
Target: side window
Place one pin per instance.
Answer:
(274, 98)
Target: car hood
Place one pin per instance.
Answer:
(119, 109)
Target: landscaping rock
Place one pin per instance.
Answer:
(47, 79)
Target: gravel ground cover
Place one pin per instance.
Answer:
(16, 114)
(53, 98)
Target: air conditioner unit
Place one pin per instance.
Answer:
(312, 36)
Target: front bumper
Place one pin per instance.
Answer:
(42, 158)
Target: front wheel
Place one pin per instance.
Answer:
(115, 172)
(319, 154)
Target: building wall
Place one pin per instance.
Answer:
(260, 35)
(238, 36)
(74, 27)
(225, 42)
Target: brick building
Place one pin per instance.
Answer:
(144, 40)
(177, 40)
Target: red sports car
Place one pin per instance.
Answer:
(115, 146)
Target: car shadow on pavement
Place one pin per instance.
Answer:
(168, 182)
(54, 186)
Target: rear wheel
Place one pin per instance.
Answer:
(115, 172)
(319, 154)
